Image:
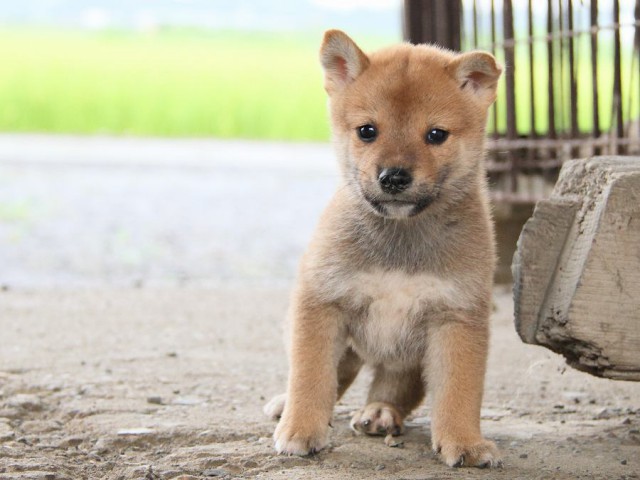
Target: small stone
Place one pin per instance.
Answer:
(215, 462)
(215, 472)
(169, 474)
(135, 431)
(71, 442)
(626, 421)
(604, 414)
(623, 462)
(390, 441)
(379, 467)
(155, 400)
(524, 455)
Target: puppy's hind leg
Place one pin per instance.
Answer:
(392, 396)
(274, 407)
(350, 365)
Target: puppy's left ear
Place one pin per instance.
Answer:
(341, 59)
(477, 72)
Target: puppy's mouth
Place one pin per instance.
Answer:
(392, 208)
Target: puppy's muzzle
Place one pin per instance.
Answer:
(394, 180)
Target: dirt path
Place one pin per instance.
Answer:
(164, 384)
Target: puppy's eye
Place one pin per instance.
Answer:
(367, 133)
(436, 136)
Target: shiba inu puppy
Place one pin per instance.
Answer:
(398, 275)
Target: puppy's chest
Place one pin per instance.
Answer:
(390, 311)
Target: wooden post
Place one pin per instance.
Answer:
(577, 268)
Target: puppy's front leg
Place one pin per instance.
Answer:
(316, 345)
(457, 354)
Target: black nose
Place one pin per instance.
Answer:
(394, 180)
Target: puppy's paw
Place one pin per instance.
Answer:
(293, 438)
(378, 418)
(481, 454)
(274, 407)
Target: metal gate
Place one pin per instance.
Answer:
(571, 86)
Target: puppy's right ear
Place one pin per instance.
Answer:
(341, 60)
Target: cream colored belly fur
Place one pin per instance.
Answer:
(397, 308)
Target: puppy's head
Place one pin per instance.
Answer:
(408, 121)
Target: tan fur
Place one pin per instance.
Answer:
(401, 282)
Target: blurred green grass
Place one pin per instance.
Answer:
(171, 83)
(193, 83)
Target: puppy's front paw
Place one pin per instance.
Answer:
(482, 454)
(292, 438)
(378, 418)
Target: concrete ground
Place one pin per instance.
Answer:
(143, 288)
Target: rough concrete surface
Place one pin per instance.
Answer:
(115, 366)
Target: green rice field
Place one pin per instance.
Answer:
(166, 84)
(200, 84)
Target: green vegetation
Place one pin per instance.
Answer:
(224, 84)
(165, 84)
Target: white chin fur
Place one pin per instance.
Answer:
(391, 210)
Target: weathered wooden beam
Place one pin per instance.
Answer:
(577, 268)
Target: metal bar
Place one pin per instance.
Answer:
(532, 83)
(594, 73)
(512, 130)
(516, 198)
(562, 80)
(475, 24)
(617, 77)
(433, 21)
(573, 85)
(636, 14)
(417, 15)
(493, 51)
(551, 113)
(523, 143)
(454, 10)
(411, 22)
(441, 28)
(500, 167)
(564, 34)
